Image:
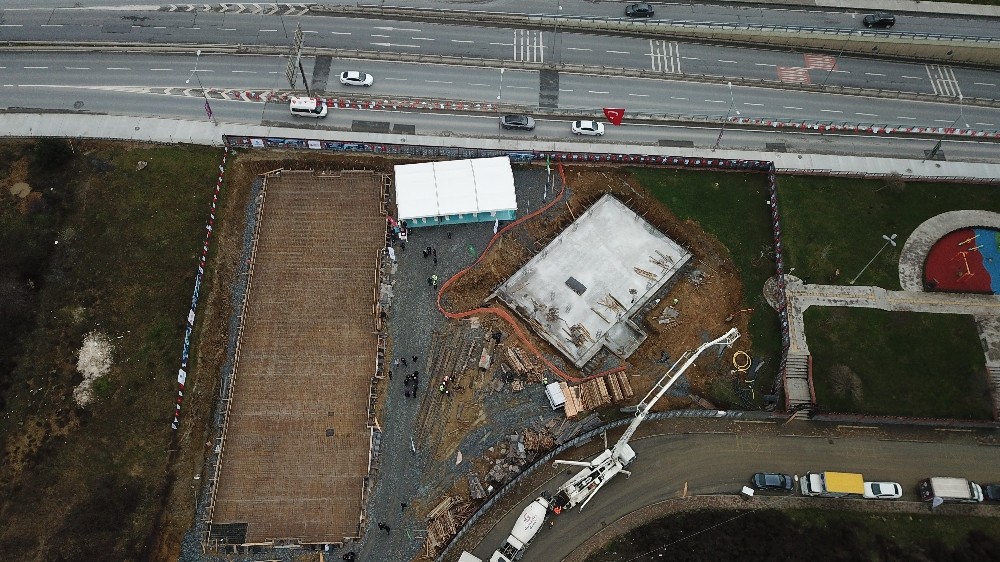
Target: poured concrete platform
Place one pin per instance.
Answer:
(583, 281)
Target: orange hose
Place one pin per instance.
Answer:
(504, 314)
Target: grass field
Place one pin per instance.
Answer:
(815, 535)
(831, 224)
(911, 364)
(732, 207)
(112, 249)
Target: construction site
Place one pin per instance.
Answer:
(387, 383)
(294, 455)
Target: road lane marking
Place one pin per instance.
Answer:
(477, 84)
(729, 61)
(462, 41)
(867, 114)
(986, 124)
(386, 28)
(911, 77)
(36, 67)
(618, 52)
(763, 64)
(791, 107)
(640, 95)
(377, 35)
(873, 74)
(395, 45)
(577, 49)
(397, 79)
(437, 82)
(244, 71)
(754, 104)
(983, 84)
(423, 38)
(664, 56)
(673, 98)
(715, 101)
(830, 111)
(77, 68)
(910, 118)
(170, 69)
(596, 92)
(340, 33)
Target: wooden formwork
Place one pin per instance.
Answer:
(298, 432)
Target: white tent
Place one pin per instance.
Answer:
(455, 191)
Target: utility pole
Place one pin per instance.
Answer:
(295, 61)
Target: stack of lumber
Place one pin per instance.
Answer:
(443, 522)
(523, 364)
(595, 393)
(476, 490)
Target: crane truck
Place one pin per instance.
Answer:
(581, 487)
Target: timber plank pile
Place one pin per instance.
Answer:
(595, 393)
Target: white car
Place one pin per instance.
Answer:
(883, 490)
(592, 128)
(355, 78)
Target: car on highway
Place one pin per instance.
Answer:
(517, 122)
(772, 481)
(356, 78)
(592, 128)
(639, 11)
(879, 20)
(307, 107)
(991, 492)
(883, 490)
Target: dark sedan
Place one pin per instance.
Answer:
(639, 11)
(879, 20)
(517, 122)
(772, 481)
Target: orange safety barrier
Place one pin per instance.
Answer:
(504, 314)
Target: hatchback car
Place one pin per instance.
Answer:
(991, 492)
(879, 20)
(355, 78)
(639, 10)
(883, 490)
(772, 481)
(517, 122)
(592, 128)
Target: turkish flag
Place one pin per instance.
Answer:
(614, 115)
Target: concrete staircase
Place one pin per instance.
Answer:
(797, 380)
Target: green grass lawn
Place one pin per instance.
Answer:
(870, 361)
(831, 224)
(815, 535)
(90, 480)
(732, 207)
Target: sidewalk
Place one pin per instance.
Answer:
(151, 129)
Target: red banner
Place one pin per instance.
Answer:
(614, 115)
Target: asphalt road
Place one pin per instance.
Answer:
(715, 463)
(668, 57)
(29, 79)
(739, 14)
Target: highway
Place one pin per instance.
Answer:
(387, 36)
(170, 86)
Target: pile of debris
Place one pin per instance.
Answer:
(443, 522)
(524, 365)
(596, 392)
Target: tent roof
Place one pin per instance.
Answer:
(455, 186)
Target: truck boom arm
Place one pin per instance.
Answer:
(660, 388)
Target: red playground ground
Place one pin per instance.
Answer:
(956, 262)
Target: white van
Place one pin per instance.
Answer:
(307, 107)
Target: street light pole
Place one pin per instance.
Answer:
(888, 240)
(499, 101)
(732, 106)
(204, 94)
(961, 117)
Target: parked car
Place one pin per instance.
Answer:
(992, 492)
(639, 10)
(883, 490)
(355, 78)
(879, 20)
(587, 128)
(773, 481)
(518, 122)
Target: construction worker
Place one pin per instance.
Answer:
(434, 280)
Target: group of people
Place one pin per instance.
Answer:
(412, 379)
(431, 252)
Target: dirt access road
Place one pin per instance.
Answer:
(722, 457)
